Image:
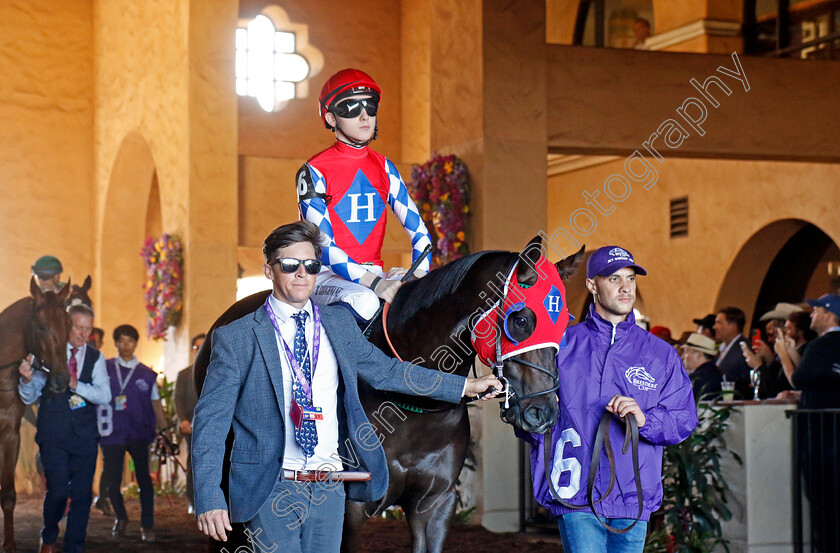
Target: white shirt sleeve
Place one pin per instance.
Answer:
(99, 391)
(155, 392)
(31, 391)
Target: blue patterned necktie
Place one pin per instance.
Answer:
(306, 435)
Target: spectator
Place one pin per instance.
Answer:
(185, 400)
(706, 326)
(791, 345)
(663, 333)
(97, 336)
(128, 424)
(47, 271)
(819, 379)
(698, 355)
(67, 435)
(641, 32)
(729, 328)
(764, 359)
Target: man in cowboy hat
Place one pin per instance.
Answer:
(698, 355)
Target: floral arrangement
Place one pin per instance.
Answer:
(164, 285)
(440, 188)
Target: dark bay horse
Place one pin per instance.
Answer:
(39, 325)
(430, 323)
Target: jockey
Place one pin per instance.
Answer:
(344, 189)
(47, 271)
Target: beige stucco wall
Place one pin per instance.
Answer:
(729, 201)
(46, 129)
(165, 101)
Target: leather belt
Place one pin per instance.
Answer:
(325, 476)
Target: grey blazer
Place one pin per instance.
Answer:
(244, 389)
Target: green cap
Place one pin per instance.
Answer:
(47, 265)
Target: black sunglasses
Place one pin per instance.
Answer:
(350, 109)
(291, 264)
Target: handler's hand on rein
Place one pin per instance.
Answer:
(25, 369)
(213, 523)
(476, 386)
(622, 405)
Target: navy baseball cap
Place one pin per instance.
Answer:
(609, 259)
(829, 302)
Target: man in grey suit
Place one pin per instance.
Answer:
(185, 399)
(286, 378)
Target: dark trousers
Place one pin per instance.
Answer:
(113, 470)
(103, 485)
(69, 467)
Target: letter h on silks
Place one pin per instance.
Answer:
(546, 299)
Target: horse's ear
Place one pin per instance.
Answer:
(526, 273)
(568, 267)
(86, 286)
(64, 293)
(34, 289)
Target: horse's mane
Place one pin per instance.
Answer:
(440, 283)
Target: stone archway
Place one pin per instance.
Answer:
(132, 210)
(747, 283)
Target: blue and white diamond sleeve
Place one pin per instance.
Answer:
(403, 207)
(312, 188)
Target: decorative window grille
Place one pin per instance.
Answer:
(268, 65)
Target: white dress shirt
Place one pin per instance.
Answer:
(98, 391)
(324, 392)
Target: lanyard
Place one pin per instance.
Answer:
(119, 367)
(316, 345)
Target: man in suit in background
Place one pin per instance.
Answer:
(67, 432)
(729, 332)
(185, 400)
(286, 377)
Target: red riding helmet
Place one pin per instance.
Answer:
(343, 84)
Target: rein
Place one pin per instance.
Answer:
(602, 442)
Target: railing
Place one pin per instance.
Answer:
(829, 51)
(815, 448)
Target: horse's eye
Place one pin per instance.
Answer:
(520, 322)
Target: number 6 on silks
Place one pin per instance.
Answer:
(570, 464)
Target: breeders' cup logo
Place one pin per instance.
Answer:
(640, 378)
(619, 254)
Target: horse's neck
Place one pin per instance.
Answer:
(440, 335)
(13, 321)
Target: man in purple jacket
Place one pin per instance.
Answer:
(611, 363)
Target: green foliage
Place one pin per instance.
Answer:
(694, 491)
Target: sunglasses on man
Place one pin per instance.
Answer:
(291, 265)
(350, 109)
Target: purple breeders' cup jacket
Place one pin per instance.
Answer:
(603, 360)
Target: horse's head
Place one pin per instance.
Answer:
(47, 332)
(525, 331)
(79, 294)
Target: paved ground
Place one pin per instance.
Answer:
(176, 532)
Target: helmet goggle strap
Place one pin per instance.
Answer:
(348, 112)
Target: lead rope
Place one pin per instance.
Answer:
(602, 441)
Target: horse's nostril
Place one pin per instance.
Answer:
(533, 415)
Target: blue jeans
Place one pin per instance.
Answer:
(299, 517)
(582, 533)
